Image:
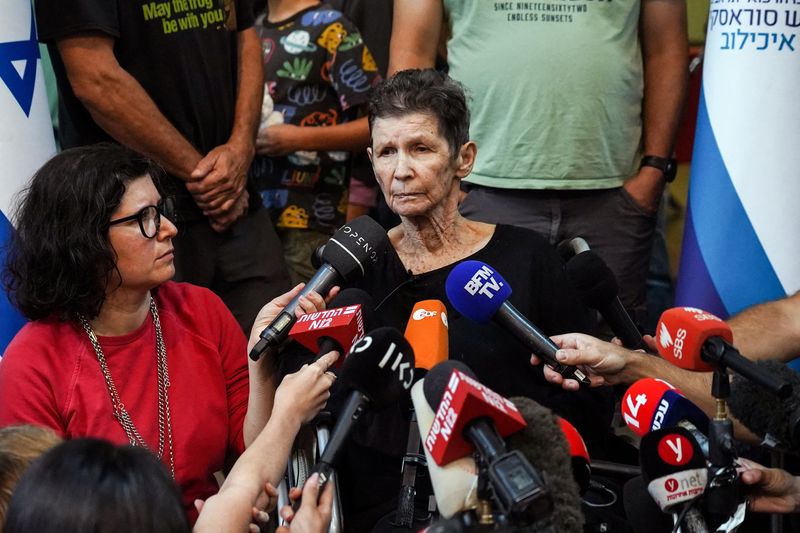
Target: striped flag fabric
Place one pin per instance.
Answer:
(741, 243)
(26, 132)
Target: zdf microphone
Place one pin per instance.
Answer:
(427, 332)
(479, 293)
(696, 340)
(353, 249)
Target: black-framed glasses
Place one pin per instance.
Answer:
(149, 217)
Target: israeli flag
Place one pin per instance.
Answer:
(741, 245)
(26, 132)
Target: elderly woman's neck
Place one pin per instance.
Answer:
(121, 313)
(434, 234)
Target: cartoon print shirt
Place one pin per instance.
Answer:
(317, 72)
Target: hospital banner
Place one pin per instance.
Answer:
(741, 244)
(26, 132)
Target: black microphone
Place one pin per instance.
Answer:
(543, 443)
(676, 474)
(518, 487)
(479, 293)
(642, 512)
(777, 422)
(378, 371)
(597, 288)
(569, 248)
(354, 247)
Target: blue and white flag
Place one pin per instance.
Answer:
(26, 132)
(741, 245)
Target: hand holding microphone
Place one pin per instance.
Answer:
(478, 292)
(770, 490)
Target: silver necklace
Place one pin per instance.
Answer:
(120, 413)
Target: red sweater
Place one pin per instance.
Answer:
(50, 376)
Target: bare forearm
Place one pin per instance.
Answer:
(265, 460)
(770, 330)
(263, 383)
(250, 90)
(121, 107)
(696, 386)
(350, 137)
(415, 33)
(665, 55)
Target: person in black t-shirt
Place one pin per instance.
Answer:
(181, 82)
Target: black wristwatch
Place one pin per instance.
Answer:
(668, 167)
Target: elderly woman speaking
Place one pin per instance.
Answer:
(116, 350)
(420, 151)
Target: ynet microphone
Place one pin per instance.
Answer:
(546, 445)
(378, 371)
(777, 423)
(479, 293)
(353, 249)
(676, 474)
(642, 512)
(348, 317)
(696, 340)
(651, 404)
(471, 417)
(597, 288)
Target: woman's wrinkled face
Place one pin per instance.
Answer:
(142, 263)
(413, 164)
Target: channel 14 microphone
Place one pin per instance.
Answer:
(696, 340)
(353, 249)
(349, 316)
(479, 293)
(470, 417)
(778, 423)
(597, 288)
(546, 446)
(455, 485)
(378, 371)
(675, 471)
(651, 404)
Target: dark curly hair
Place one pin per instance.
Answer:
(59, 259)
(424, 91)
(91, 485)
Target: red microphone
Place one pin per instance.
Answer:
(427, 333)
(696, 340)
(463, 401)
(581, 464)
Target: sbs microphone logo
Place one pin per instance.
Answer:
(664, 338)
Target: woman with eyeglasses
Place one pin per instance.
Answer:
(115, 350)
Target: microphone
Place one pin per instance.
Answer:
(427, 333)
(472, 416)
(569, 248)
(597, 288)
(378, 371)
(479, 293)
(579, 454)
(651, 404)
(455, 485)
(696, 340)
(778, 423)
(338, 327)
(354, 247)
(675, 471)
(642, 512)
(546, 446)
